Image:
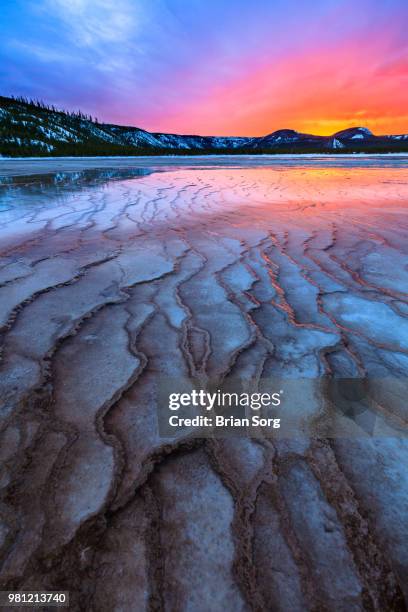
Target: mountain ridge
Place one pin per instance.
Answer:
(29, 128)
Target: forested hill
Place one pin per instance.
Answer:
(32, 128)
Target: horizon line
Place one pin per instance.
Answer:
(52, 108)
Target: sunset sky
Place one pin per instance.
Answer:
(226, 67)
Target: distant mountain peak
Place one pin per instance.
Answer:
(34, 129)
(282, 134)
(354, 132)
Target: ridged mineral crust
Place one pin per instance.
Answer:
(108, 284)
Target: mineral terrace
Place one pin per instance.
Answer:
(114, 278)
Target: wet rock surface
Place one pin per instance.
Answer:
(110, 281)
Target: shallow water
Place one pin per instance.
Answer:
(113, 279)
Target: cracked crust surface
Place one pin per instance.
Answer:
(109, 282)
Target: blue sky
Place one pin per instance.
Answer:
(215, 66)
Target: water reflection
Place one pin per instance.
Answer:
(74, 178)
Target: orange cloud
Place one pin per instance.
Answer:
(321, 90)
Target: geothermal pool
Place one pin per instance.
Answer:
(114, 278)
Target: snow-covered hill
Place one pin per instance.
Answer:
(28, 128)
